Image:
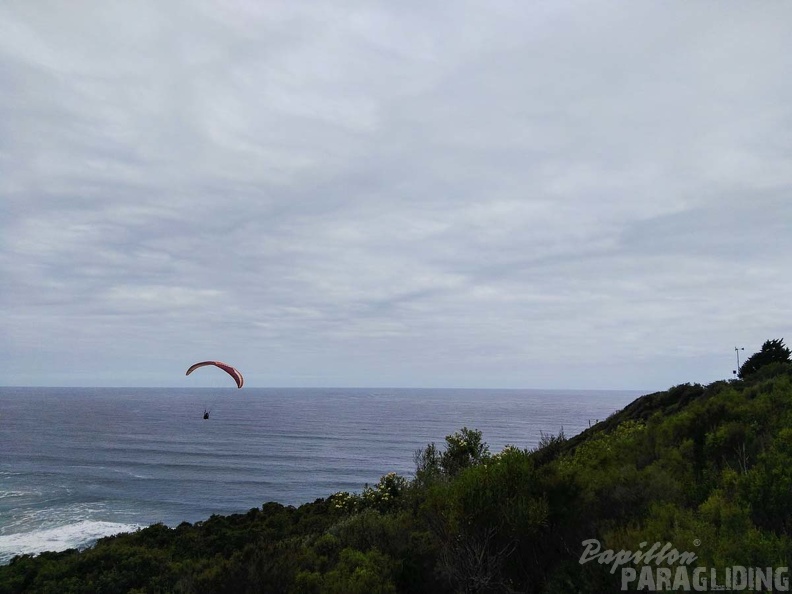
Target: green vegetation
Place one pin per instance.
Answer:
(705, 468)
(773, 351)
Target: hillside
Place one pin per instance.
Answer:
(707, 469)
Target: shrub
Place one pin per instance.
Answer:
(773, 351)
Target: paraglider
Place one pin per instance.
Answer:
(234, 373)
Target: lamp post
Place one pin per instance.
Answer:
(737, 350)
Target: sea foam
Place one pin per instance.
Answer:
(78, 535)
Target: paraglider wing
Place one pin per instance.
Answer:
(225, 367)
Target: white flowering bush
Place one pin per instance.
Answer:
(508, 450)
(464, 448)
(345, 501)
(383, 496)
(385, 493)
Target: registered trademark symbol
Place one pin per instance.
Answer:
(696, 542)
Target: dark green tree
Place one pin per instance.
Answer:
(773, 351)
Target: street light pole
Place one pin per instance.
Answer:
(738, 359)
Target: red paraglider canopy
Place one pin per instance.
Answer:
(224, 366)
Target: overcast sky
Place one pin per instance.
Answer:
(538, 194)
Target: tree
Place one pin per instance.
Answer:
(464, 448)
(773, 351)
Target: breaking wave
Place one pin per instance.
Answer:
(78, 535)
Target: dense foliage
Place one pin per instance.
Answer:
(706, 468)
(772, 351)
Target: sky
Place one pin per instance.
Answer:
(505, 194)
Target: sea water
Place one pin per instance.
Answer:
(77, 464)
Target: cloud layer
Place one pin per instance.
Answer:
(545, 194)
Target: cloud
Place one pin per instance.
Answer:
(538, 195)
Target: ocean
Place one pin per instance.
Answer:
(77, 464)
